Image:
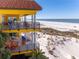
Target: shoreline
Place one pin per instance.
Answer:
(61, 26)
(57, 22)
(60, 20)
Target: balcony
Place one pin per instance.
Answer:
(17, 47)
(19, 25)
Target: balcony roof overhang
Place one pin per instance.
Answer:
(17, 12)
(20, 7)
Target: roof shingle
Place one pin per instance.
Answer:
(19, 4)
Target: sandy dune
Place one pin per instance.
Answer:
(59, 47)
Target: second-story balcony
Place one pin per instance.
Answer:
(19, 25)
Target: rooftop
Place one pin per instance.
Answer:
(19, 4)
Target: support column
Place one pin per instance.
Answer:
(5, 18)
(34, 30)
(33, 25)
(24, 18)
(17, 17)
(1, 19)
(25, 22)
(32, 21)
(35, 43)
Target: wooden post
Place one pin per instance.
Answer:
(1, 19)
(5, 18)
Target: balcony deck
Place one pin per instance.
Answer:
(22, 52)
(28, 48)
(20, 27)
(20, 30)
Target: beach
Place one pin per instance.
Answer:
(62, 26)
(59, 46)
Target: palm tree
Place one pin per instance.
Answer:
(4, 53)
(38, 55)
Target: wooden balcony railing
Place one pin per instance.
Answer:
(19, 25)
(14, 47)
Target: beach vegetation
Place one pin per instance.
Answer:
(4, 52)
(38, 55)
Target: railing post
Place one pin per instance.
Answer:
(2, 23)
(25, 26)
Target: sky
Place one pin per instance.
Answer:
(58, 9)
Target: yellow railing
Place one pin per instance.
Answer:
(22, 52)
(20, 31)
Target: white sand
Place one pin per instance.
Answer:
(60, 25)
(62, 51)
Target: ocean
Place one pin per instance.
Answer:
(62, 20)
